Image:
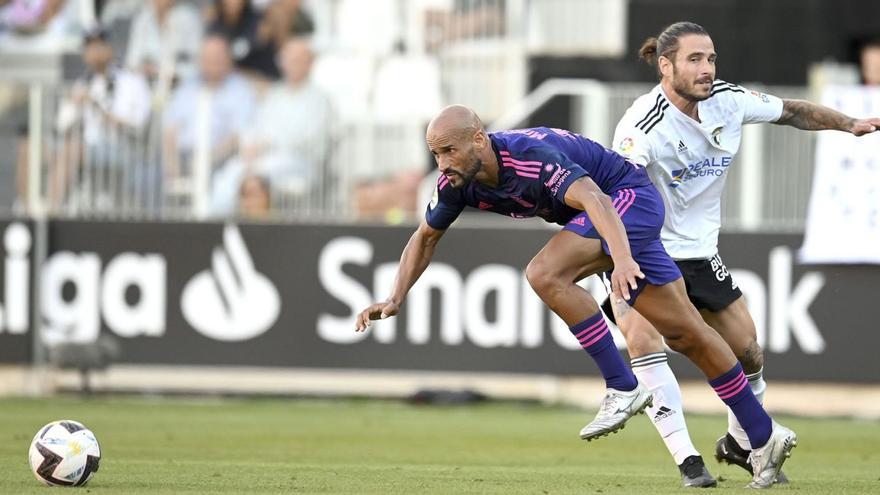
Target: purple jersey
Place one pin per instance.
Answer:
(536, 167)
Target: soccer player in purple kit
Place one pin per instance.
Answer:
(567, 179)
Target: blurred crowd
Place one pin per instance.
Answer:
(246, 101)
(245, 107)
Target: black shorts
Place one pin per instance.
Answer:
(708, 283)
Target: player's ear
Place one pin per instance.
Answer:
(665, 66)
(480, 139)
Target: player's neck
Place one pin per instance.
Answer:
(684, 105)
(488, 174)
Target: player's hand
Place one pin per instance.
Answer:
(376, 311)
(624, 276)
(865, 126)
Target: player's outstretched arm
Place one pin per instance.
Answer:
(415, 258)
(585, 195)
(812, 117)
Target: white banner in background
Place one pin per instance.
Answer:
(843, 219)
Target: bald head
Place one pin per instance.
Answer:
(458, 142)
(454, 119)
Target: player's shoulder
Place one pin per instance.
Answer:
(646, 112)
(522, 143)
(724, 94)
(720, 87)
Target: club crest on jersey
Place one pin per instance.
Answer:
(716, 136)
(709, 167)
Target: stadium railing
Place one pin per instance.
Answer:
(121, 176)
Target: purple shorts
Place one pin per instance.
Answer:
(642, 212)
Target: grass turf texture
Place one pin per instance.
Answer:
(307, 446)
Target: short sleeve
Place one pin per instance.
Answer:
(758, 107)
(445, 206)
(558, 172)
(632, 143)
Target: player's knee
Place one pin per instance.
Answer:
(641, 339)
(682, 344)
(543, 282)
(688, 338)
(751, 356)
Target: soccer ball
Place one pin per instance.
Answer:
(64, 453)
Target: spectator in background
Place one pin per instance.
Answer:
(289, 139)
(463, 20)
(282, 20)
(256, 39)
(29, 16)
(101, 121)
(869, 63)
(219, 95)
(28, 26)
(239, 22)
(164, 42)
(254, 198)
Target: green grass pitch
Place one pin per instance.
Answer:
(180, 446)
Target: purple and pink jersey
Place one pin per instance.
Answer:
(536, 168)
(538, 165)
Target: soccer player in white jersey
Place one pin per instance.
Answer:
(686, 131)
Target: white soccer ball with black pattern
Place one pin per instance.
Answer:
(64, 453)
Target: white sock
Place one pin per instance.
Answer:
(758, 385)
(654, 373)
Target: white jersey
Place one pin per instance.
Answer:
(688, 160)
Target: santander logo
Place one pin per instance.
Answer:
(231, 301)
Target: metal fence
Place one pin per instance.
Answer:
(84, 169)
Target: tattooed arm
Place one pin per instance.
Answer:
(811, 117)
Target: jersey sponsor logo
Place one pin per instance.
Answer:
(709, 167)
(557, 179)
(682, 148)
(721, 272)
(626, 145)
(760, 96)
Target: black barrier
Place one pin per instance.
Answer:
(284, 295)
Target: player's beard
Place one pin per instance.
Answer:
(468, 174)
(688, 90)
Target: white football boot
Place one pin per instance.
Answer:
(767, 461)
(616, 408)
